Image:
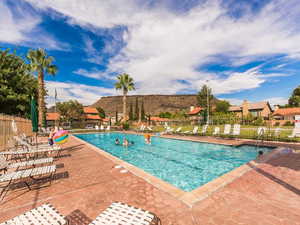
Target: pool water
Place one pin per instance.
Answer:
(185, 164)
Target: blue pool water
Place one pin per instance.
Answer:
(185, 164)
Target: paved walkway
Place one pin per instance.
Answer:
(86, 183)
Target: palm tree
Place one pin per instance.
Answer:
(41, 63)
(124, 83)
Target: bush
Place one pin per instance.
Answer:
(277, 124)
(125, 126)
(288, 123)
(258, 122)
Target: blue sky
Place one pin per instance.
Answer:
(244, 49)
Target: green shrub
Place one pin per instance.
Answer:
(125, 126)
(277, 124)
(288, 123)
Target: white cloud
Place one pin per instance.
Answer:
(93, 55)
(94, 73)
(277, 101)
(163, 47)
(85, 94)
(21, 27)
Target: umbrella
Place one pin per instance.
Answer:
(34, 115)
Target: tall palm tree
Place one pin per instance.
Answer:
(41, 63)
(124, 83)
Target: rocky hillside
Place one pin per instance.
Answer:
(153, 104)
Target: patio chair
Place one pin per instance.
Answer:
(216, 131)
(45, 214)
(178, 130)
(8, 178)
(261, 131)
(204, 129)
(120, 213)
(227, 129)
(295, 133)
(149, 128)
(4, 164)
(236, 130)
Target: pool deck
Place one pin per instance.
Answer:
(87, 182)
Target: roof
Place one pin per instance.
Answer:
(251, 106)
(158, 119)
(105, 119)
(90, 110)
(52, 116)
(93, 117)
(287, 111)
(195, 111)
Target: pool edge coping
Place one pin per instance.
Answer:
(196, 195)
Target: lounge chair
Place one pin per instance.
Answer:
(295, 133)
(101, 127)
(45, 214)
(149, 128)
(204, 129)
(97, 127)
(227, 129)
(121, 213)
(4, 164)
(216, 131)
(9, 178)
(236, 130)
(178, 130)
(261, 131)
(108, 128)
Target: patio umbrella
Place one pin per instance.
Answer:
(34, 115)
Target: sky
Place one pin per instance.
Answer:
(243, 49)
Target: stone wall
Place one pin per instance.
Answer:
(153, 104)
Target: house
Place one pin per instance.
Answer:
(285, 115)
(256, 109)
(91, 116)
(155, 120)
(51, 118)
(195, 113)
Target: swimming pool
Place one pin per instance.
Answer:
(184, 164)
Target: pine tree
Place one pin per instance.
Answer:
(131, 112)
(142, 111)
(136, 116)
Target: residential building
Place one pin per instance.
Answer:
(256, 109)
(91, 116)
(51, 118)
(195, 113)
(284, 115)
(155, 120)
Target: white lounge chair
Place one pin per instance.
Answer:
(45, 214)
(7, 165)
(216, 131)
(204, 129)
(295, 133)
(108, 128)
(227, 129)
(8, 178)
(121, 213)
(261, 131)
(178, 130)
(149, 128)
(236, 129)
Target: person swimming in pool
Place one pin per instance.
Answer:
(125, 142)
(117, 141)
(148, 139)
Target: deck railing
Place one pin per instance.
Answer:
(8, 130)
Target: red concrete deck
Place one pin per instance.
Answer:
(268, 195)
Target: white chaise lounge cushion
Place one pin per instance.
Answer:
(122, 214)
(45, 215)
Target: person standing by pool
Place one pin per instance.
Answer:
(148, 139)
(50, 138)
(125, 142)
